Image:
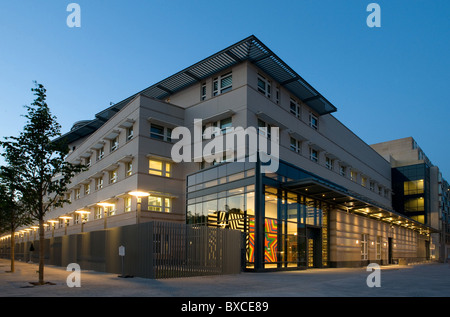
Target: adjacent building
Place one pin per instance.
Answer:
(419, 190)
(328, 204)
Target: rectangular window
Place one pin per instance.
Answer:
(295, 108)
(264, 129)
(329, 163)
(160, 204)
(277, 95)
(114, 144)
(77, 193)
(364, 247)
(378, 248)
(353, 176)
(372, 186)
(222, 84)
(203, 92)
(99, 183)
(87, 161)
(157, 132)
(413, 187)
(225, 125)
(295, 145)
(113, 177)
(313, 155)
(129, 170)
(98, 212)
(160, 168)
(364, 181)
(100, 153)
(129, 133)
(342, 170)
(127, 204)
(264, 86)
(313, 121)
(87, 189)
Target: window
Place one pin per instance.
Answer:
(77, 193)
(222, 84)
(313, 121)
(203, 92)
(413, 187)
(372, 186)
(110, 210)
(264, 86)
(364, 181)
(87, 161)
(127, 204)
(100, 153)
(277, 95)
(129, 170)
(160, 168)
(98, 212)
(353, 176)
(161, 204)
(295, 108)
(329, 163)
(378, 248)
(99, 183)
(313, 155)
(87, 189)
(224, 125)
(113, 177)
(114, 144)
(158, 132)
(295, 145)
(265, 131)
(364, 247)
(129, 133)
(342, 170)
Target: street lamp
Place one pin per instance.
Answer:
(139, 195)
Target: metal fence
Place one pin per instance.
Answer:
(151, 250)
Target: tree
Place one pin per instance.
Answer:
(12, 213)
(38, 155)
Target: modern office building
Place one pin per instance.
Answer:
(328, 204)
(419, 190)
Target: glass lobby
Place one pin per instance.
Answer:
(287, 231)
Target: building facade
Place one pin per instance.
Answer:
(420, 191)
(328, 204)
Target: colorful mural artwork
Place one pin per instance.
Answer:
(251, 240)
(271, 240)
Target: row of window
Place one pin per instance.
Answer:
(154, 203)
(365, 246)
(113, 146)
(156, 167)
(295, 146)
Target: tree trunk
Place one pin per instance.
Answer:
(13, 245)
(41, 251)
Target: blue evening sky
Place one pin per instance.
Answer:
(387, 83)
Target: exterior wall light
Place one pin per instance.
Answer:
(139, 195)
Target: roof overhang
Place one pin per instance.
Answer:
(250, 49)
(353, 203)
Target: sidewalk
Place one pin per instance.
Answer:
(419, 280)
